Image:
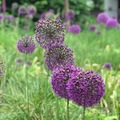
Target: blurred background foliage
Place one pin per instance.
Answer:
(82, 8)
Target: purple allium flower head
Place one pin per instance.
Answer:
(14, 5)
(2, 68)
(51, 11)
(107, 66)
(4, 6)
(49, 33)
(60, 77)
(102, 18)
(19, 61)
(111, 22)
(1, 17)
(31, 10)
(59, 56)
(69, 15)
(42, 16)
(74, 29)
(10, 18)
(26, 45)
(98, 32)
(86, 89)
(22, 10)
(92, 28)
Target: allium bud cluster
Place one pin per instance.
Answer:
(26, 45)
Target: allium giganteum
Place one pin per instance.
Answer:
(60, 77)
(49, 33)
(26, 45)
(102, 18)
(59, 56)
(86, 89)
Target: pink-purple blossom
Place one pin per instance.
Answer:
(86, 89)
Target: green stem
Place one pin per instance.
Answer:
(27, 84)
(46, 96)
(67, 109)
(84, 108)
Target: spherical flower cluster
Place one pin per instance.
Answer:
(26, 45)
(47, 15)
(14, 5)
(112, 23)
(22, 10)
(86, 89)
(60, 77)
(42, 16)
(49, 33)
(10, 18)
(31, 10)
(2, 68)
(59, 56)
(102, 18)
(75, 29)
(107, 66)
(69, 15)
(1, 17)
(92, 28)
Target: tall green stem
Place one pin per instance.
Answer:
(84, 108)
(67, 109)
(27, 84)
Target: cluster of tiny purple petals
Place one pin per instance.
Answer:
(49, 33)
(26, 45)
(10, 18)
(112, 23)
(60, 77)
(59, 56)
(22, 10)
(74, 29)
(1, 17)
(86, 89)
(69, 15)
(107, 66)
(102, 18)
(92, 28)
(2, 68)
(31, 10)
(14, 5)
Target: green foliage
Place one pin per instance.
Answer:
(91, 52)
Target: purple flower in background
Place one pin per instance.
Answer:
(22, 10)
(19, 61)
(1, 17)
(51, 10)
(49, 33)
(112, 23)
(102, 18)
(86, 89)
(4, 6)
(31, 10)
(42, 16)
(74, 29)
(60, 77)
(69, 15)
(98, 32)
(92, 28)
(59, 56)
(10, 18)
(107, 66)
(26, 45)
(2, 68)
(14, 5)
